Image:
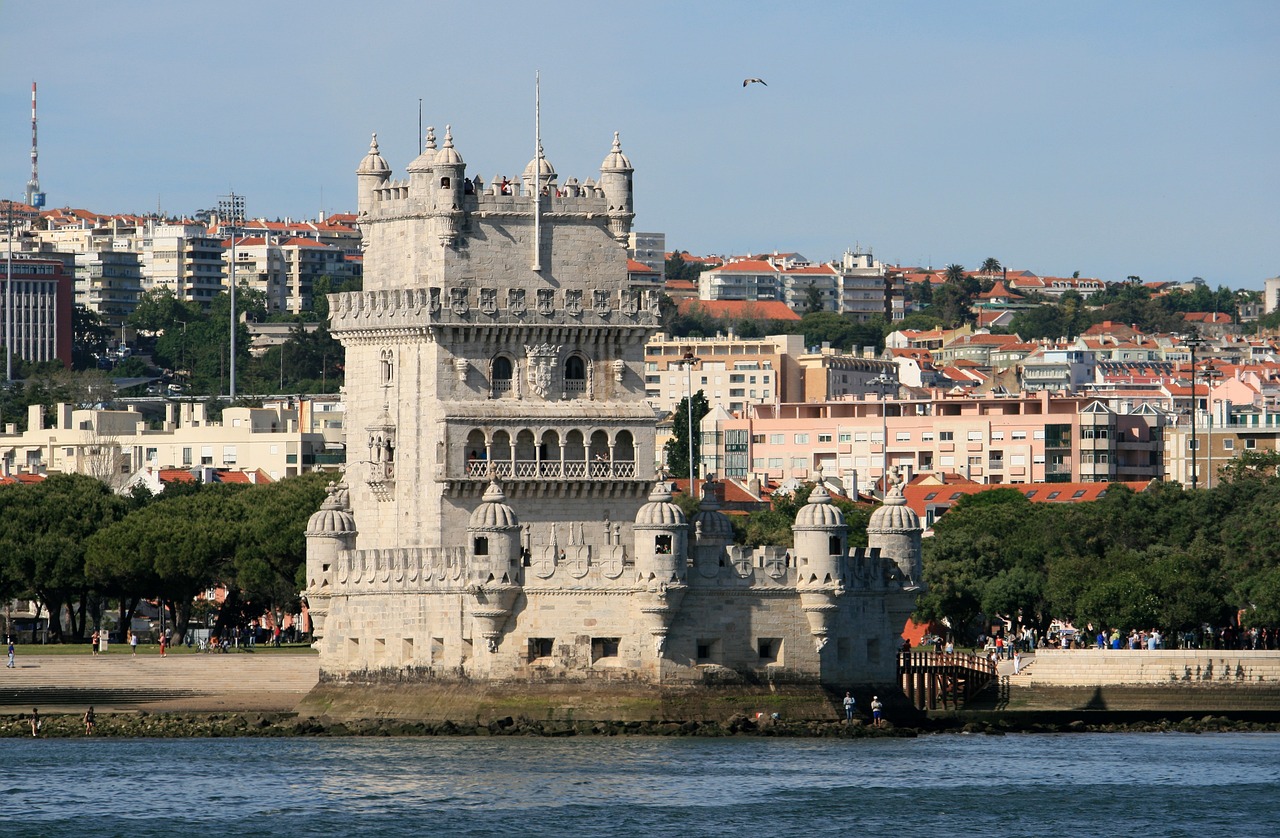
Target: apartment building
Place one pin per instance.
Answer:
(42, 294)
(185, 258)
(285, 269)
(989, 439)
(730, 371)
(281, 440)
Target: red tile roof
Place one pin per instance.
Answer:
(746, 309)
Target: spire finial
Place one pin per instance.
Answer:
(448, 136)
(431, 137)
(617, 143)
(373, 144)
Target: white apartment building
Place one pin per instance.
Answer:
(282, 440)
(185, 259)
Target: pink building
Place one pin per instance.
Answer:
(1042, 438)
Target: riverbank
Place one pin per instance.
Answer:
(143, 724)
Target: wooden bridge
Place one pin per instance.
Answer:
(942, 681)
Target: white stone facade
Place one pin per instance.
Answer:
(500, 518)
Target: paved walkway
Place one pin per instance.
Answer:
(264, 681)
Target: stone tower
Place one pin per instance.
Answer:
(495, 341)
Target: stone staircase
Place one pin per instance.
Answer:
(264, 681)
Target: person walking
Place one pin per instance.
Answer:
(162, 647)
(94, 641)
(133, 643)
(89, 721)
(10, 664)
(849, 706)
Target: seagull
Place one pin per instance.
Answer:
(746, 82)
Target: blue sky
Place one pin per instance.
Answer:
(1112, 138)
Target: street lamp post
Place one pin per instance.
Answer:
(883, 382)
(1209, 374)
(689, 361)
(1194, 342)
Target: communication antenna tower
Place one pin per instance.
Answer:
(35, 197)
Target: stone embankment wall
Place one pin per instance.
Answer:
(1105, 667)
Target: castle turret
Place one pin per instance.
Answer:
(546, 173)
(420, 180)
(895, 529)
(615, 181)
(372, 173)
(820, 539)
(661, 542)
(661, 538)
(449, 174)
(712, 532)
(494, 564)
(330, 531)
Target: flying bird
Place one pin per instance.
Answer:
(746, 82)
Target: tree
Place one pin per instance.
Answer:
(991, 267)
(954, 273)
(812, 298)
(89, 336)
(43, 531)
(677, 448)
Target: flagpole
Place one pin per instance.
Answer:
(537, 172)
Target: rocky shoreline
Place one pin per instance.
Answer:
(216, 725)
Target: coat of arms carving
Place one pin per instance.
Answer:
(515, 301)
(458, 301)
(546, 301)
(542, 361)
(489, 300)
(573, 301)
(630, 302)
(601, 302)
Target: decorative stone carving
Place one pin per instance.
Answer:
(489, 300)
(573, 301)
(516, 302)
(600, 302)
(630, 302)
(546, 301)
(458, 301)
(541, 361)
(460, 368)
(619, 368)
(434, 303)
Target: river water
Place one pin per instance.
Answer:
(1222, 784)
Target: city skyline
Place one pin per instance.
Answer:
(1109, 139)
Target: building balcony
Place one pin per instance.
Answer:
(550, 469)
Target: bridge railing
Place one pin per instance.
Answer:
(944, 680)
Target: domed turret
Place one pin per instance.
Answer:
(546, 173)
(330, 531)
(895, 529)
(710, 524)
(449, 188)
(424, 161)
(494, 532)
(661, 537)
(820, 537)
(372, 172)
(616, 181)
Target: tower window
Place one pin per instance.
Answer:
(834, 547)
(502, 374)
(482, 545)
(444, 183)
(604, 647)
(662, 545)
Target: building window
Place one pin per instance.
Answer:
(902, 436)
(502, 374)
(769, 649)
(482, 545)
(835, 545)
(186, 456)
(707, 650)
(777, 439)
(662, 544)
(1228, 444)
(1193, 444)
(1018, 435)
(946, 436)
(824, 437)
(540, 647)
(926, 436)
(802, 439)
(1250, 444)
(975, 436)
(845, 436)
(604, 647)
(799, 462)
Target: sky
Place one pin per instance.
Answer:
(1111, 138)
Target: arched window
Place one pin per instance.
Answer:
(575, 374)
(502, 374)
(387, 367)
(444, 183)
